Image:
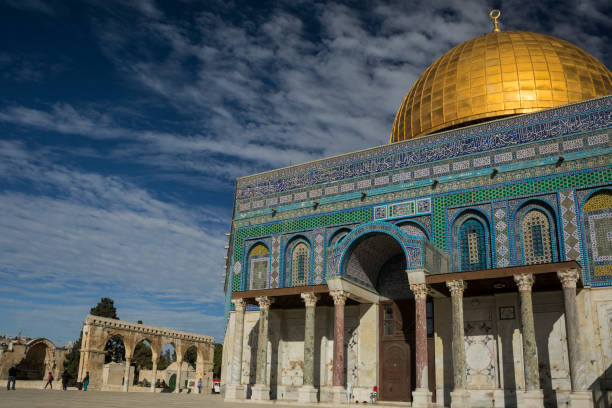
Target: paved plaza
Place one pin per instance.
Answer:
(97, 399)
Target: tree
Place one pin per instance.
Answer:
(217, 360)
(105, 308)
(71, 364)
(143, 356)
(115, 350)
(191, 356)
(164, 360)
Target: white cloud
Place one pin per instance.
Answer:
(85, 236)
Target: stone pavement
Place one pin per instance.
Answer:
(97, 399)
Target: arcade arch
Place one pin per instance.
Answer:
(97, 331)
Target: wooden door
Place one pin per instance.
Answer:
(396, 334)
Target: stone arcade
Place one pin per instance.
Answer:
(98, 330)
(466, 263)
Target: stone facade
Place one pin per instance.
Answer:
(33, 358)
(98, 330)
(493, 222)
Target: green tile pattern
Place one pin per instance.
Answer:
(440, 203)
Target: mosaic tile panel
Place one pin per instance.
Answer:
(275, 265)
(531, 187)
(319, 256)
(571, 233)
(502, 245)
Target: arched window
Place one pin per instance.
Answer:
(259, 263)
(300, 262)
(535, 234)
(597, 218)
(472, 245)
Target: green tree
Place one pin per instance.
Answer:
(191, 356)
(114, 350)
(71, 364)
(143, 356)
(217, 360)
(105, 308)
(164, 360)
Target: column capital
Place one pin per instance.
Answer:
(339, 296)
(264, 302)
(524, 281)
(419, 290)
(456, 287)
(569, 277)
(239, 304)
(310, 299)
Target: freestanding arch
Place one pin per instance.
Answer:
(98, 330)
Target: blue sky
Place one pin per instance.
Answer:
(123, 125)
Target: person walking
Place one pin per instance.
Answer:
(49, 380)
(65, 378)
(12, 375)
(86, 381)
(200, 386)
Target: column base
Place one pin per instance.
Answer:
(580, 399)
(533, 399)
(235, 392)
(260, 392)
(460, 399)
(421, 398)
(339, 394)
(307, 394)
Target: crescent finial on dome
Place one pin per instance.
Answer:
(494, 15)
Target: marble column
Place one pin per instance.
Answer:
(421, 396)
(533, 396)
(235, 389)
(154, 374)
(261, 389)
(179, 362)
(308, 393)
(339, 393)
(126, 373)
(580, 396)
(460, 397)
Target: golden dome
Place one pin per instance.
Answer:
(495, 75)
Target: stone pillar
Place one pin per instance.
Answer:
(154, 374)
(308, 393)
(179, 368)
(339, 393)
(421, 396)
(460, 397)
(261, 390)
(533, 396)
(126, 374)
(235, 389)
(580, 396)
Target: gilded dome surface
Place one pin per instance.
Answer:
(495, 75)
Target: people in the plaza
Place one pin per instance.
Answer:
(12, 375)
(86, 381)
(65, 378)
(49, 381)
(200, 386)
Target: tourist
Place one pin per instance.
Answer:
(49, 380)
(200, 386)
(65, 378)
(12, 375)
(86, 381)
